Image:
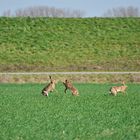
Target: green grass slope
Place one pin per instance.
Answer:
(94, 115)
(69, 44)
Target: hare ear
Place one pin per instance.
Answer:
(50, 77)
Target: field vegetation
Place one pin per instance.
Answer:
(69, 44)
(26, 114)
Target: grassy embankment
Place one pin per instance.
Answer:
(58, 44)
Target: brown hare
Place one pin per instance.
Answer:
(115, 89)
(68, 85)
(49, 88)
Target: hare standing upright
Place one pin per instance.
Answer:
(68, 85)
(49, 88)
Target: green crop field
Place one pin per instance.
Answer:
(94, 115)
(69, 44)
